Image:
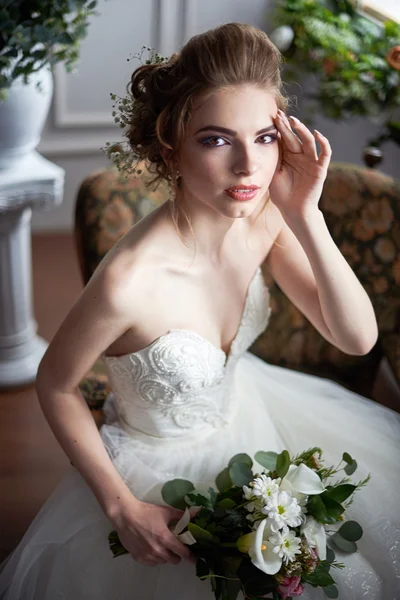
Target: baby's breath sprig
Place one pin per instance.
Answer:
(124, 157)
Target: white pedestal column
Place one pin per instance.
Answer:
(34, 183)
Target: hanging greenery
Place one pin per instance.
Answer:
(356, 60)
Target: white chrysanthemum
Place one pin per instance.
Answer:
(285, 544)
(265, 487)
(283, 510)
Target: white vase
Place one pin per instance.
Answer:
(23, 115)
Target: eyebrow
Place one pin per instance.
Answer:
(219, 129)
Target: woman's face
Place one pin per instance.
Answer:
(231, 142)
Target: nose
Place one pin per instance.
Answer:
(246, 160)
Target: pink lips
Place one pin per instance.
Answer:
(242, 192)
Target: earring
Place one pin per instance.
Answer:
(172, 185)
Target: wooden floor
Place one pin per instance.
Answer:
(31, 461)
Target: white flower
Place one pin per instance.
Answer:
(261, 553)
(302, 479)
(265, 487)
(315, 535)
(285, 544)
(282, 509)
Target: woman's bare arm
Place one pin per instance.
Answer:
(100, 315)
(309, 268)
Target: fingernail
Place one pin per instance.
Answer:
(317, 132)
(294, 119)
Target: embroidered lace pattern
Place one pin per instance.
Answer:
(182, 381)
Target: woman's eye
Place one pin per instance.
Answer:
(212, 142)
(268, 138)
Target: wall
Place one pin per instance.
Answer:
(80, 120)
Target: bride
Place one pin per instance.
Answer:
(172, 310)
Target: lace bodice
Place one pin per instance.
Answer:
(181, 382)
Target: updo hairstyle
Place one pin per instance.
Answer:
(164, 94)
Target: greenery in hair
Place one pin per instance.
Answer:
(121, 153)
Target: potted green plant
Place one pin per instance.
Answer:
(354, 61)
(34, 35)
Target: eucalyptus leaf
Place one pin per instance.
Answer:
(240, 474)
(349, 469)
(223, 480)
(331, 591)
(283, 463)
(343, 544)
(351, 531)
(173, 492)
(267, 459)
(243, 458)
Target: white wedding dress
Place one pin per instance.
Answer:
(182, 408)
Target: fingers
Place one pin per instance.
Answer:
(307, 137)
(326, 150)
(306, 142)
(289, 138)
(177, 547)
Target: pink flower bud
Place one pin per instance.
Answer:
(291, 586)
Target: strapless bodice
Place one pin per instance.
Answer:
(181, 382)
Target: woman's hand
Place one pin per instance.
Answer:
(297, 184)
(143, 530)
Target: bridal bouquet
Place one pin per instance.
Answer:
(268, 534)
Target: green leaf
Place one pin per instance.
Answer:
(319, 577)
(343, 544)
(340, 492)
(243, 458)
(317, 509)
(174, 492)
(330, 555)
(227, 503)
(199, 500)
(267, 459)
(349, 469)
(283, 463)
(240, 474)
(223, 480)
(333, 509)
(199, 533)
(351, 531)
(331, 591)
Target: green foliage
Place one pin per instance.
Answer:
(174, 492)
(348, 54)
(34, 33)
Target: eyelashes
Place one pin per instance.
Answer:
(208, 142)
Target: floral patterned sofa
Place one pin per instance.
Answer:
(362, 210)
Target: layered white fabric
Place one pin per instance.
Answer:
(181, 408)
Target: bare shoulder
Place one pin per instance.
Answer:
(110, 305)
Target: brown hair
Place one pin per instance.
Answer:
(164, 94)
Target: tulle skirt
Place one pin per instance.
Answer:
(65, 555)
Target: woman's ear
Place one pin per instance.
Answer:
(166, 155)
